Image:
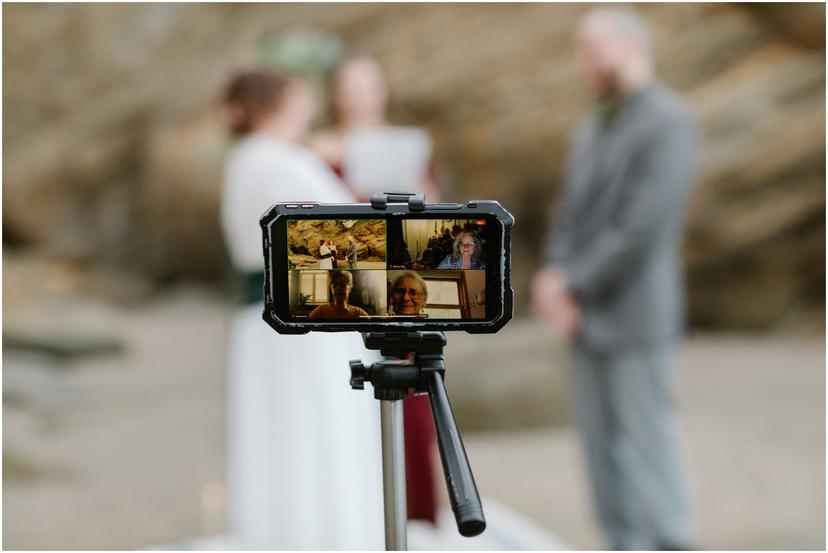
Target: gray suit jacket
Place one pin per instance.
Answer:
(351, 253)
(617, 233)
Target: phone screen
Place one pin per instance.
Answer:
(380, 268)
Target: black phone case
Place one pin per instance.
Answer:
(309, 210)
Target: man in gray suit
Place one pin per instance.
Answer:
(612, 282)
(351, 253)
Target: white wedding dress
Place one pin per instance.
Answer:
(325, 262)
(303, 449)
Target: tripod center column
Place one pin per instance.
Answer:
(393, 474)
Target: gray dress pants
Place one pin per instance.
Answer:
(624, 409)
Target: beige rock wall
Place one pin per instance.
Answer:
(113, 144)
(304, 238)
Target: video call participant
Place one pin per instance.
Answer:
(340, 284)
(408, 294)
(467, 253)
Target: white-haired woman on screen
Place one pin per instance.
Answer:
(467, 253)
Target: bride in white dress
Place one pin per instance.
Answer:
(304, 466)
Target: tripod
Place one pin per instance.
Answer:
(392, 380)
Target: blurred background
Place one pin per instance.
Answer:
(114, 308)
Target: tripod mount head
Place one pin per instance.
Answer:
(392, 379)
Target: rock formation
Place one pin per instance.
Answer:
(113, 140)
(304, 238)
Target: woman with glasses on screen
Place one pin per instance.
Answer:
(467, 253)
(409, 294)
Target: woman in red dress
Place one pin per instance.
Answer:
(360, 101)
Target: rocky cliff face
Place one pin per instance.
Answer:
(304, 238)
(113, 144)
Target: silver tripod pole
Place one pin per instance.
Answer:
(393, 475)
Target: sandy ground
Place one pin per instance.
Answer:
(120, 451)
(308, 262)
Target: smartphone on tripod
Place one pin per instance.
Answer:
(399, 271)
(354, 267)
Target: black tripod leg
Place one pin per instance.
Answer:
(465, 500)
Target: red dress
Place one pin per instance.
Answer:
(419, 469)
